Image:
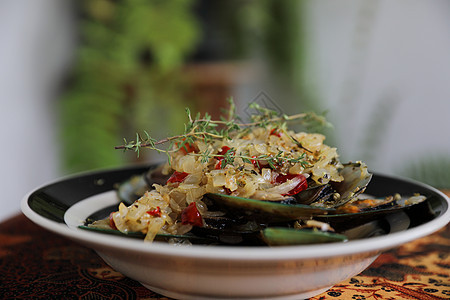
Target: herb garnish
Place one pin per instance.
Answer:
(207, 130)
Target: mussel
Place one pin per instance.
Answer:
(155, 175)
(264, 209)
(356, 178)
(315, 194)
(282, 236)
(368, 209)
(194, 239)
(303, 232)
(254, 222)
(321, 199)
(231, 231)
(133, 188)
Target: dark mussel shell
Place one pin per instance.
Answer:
(155, 175)
(356, 178)
(334, 194)
(268, 211)
(233, 235)
(316, 200)
(231, 231)
(216, 230)
(343, 219)
(281, 236)
(132, 189)
(319, 193)
(159, 237)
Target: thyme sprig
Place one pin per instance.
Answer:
(273, 161)
(207, 130)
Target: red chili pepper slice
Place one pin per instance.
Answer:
(177, 177)
(227, 191)
(156, 212)
(255, 162)
(187, 148)
(218, 165)
(275, 132)
(111, 221)
(259, 164)
(303, 184)
(191, 215)
(222, 151)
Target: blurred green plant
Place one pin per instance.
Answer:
(128, 75)
(272, 32)
(124, 77)
(377, 124)
(432, 169)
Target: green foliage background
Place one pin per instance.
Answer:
(124, 78)
(128, 75)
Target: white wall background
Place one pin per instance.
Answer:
(35, 44)
(361, 52)
(390, 58)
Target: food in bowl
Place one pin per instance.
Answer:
(255, 183)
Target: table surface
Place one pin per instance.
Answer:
(37, 264)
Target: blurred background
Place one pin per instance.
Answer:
(77, 77)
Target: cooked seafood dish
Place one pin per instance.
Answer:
(255, 183)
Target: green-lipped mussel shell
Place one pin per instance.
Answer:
(132, 189)
(318, 193)
(280, 236)
(155, 175)
(285, 211)
(343, 221)
(140, 235)
(356, 178)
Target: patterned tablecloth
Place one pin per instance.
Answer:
(36, 264)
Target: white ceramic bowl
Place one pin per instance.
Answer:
(221, 272)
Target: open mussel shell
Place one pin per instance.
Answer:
(159, 237)
(138, 235)
(236, 234)
(316, 200)
(268, 208)
(155, 175)
(335, 194)
(280, 236)
(356, 178)
(318, 193)
(343, 220)
(132, 189)
(236, 230)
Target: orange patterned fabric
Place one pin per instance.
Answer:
(416, 270)
(36, 264)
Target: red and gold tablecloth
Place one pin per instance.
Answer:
(36, 264)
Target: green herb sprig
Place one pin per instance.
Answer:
(205, 129)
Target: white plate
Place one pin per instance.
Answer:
(225, 272)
